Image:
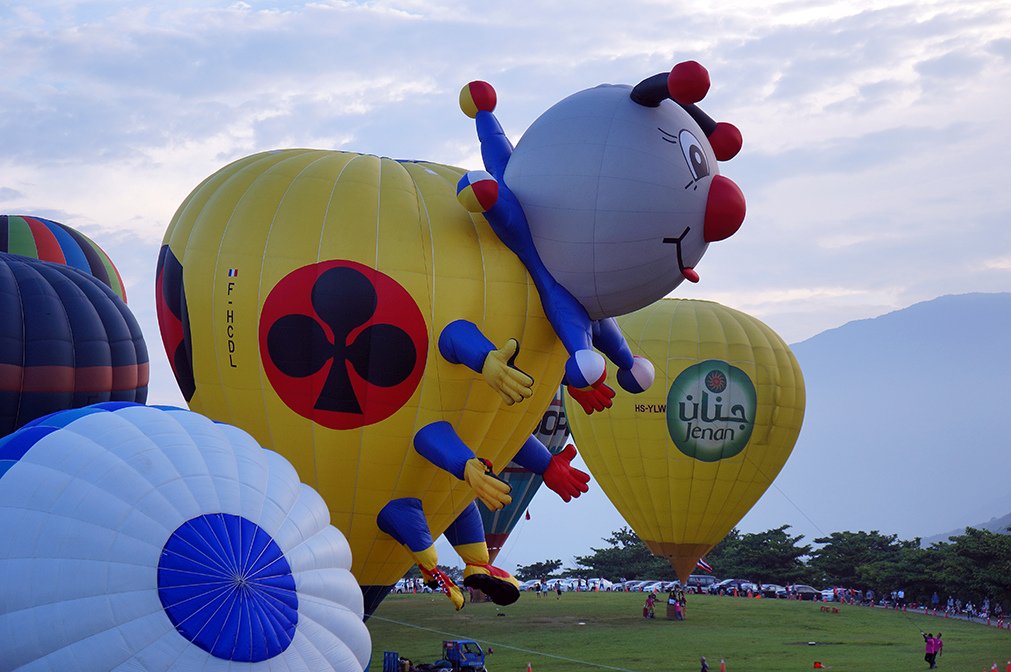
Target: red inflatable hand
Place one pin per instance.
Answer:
(563, 478)
(594, 398)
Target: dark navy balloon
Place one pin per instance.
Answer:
(66, 341)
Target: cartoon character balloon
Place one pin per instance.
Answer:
(685, 461)
(349, 313)
(47, 240)
(553, 432)
(146, 538)
(66, 340)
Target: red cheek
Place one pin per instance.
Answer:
(725, 209)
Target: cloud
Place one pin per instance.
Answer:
(998, 263)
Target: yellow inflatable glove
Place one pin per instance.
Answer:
(500, 373)
(492, 491)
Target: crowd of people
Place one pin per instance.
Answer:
(985, 610)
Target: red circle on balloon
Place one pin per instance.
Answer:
(342, 344)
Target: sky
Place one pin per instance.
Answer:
(875, 132)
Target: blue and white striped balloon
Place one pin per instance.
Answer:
(143, 538)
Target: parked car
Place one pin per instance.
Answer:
(833, 594)
(799, 591)
(700, 583)
(530, 584)
(772, 590)
(652, 587)
(728, 586)
(599, 584)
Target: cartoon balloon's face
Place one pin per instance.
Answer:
(616, 195)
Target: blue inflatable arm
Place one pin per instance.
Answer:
(461, 342)
(558, 474)
(439, 443)
(533, 456)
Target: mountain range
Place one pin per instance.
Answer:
(908, 424)
(999, 525)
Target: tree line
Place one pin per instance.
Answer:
(972, 566)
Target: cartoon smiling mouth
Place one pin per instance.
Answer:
(687, 271)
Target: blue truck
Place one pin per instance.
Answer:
(458, 655)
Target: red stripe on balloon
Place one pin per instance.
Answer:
(495, 541)
(14, 378)
(45, 242)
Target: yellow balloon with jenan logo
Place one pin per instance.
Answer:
(302, 295)
(684, 461)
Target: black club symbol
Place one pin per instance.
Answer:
(344, 299)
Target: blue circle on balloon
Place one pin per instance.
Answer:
(227, 587)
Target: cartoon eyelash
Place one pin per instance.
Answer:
(668, 137)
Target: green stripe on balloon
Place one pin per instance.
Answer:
(20, 239)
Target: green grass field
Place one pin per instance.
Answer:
(591, 631)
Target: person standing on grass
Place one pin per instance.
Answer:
(938, 647)
(705, 665)
(558, 590)
(929, 650)
(648, 611)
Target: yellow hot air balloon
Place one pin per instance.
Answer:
(685, 460)
(302, 295)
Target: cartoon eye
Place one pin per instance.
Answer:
(694, 155)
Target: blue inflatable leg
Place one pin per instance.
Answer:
(466, 534)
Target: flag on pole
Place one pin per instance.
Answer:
(704, 566)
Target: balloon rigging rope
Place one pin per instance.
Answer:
(518, 530)
(502, 646)
(786, 497)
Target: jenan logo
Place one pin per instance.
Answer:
(711, 410)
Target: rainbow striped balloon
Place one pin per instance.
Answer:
(51, 241)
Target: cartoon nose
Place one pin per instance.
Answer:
(725, 209)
